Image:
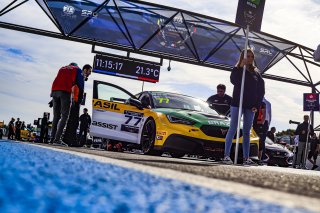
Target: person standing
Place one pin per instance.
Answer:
(271, 133)
(67, 77)
(253, 94)
(23, 125)
(302, 131)
(70, 136)
(44, 129)
(11, 129)
(314, 151)
(85, 121)
(220, 102)
(259, 127)
(261, 124)
(18, 129)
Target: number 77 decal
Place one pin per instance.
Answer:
(163, 99)
(130, 118)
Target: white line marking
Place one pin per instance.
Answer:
(252, 192)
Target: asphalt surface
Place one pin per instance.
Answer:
(35, 178)
(293, 181)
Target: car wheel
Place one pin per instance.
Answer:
(177, 154)
(148, 135)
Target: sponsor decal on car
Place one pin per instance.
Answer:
(104, 125)
(136, 114)
(218, 123)
(128, 128)
(106, 105)
(163, 133)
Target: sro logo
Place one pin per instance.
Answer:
(265, 51)
(88, 13)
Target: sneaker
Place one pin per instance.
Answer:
(314, 167)
(227, 160)
(260, 162)
(248, 162)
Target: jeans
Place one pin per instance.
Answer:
(248, 116)
(301, 151)
(61, 110)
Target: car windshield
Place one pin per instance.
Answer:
(177, 101)
(286, 139)
(269, 141)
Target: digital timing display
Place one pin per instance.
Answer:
(126, 68)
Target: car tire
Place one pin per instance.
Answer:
(148, 136)
(177, 154)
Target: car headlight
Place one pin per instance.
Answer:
(174, 119)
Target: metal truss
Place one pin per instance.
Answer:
(304, 53)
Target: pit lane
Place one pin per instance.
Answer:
(293, 181)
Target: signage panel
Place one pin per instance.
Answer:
(311, 102)
(126, 68)
(250, 13)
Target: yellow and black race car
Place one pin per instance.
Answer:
(161, 122)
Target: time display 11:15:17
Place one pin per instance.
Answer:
(109, 64)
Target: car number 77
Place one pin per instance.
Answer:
(130, 118)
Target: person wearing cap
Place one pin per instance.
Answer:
(77, 94)
(67, 77)
(84, 121)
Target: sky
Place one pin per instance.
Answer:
(29, 63)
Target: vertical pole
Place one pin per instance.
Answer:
(304, 163)
(313, 90)
(241, 98)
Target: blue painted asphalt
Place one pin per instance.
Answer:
(35, 179)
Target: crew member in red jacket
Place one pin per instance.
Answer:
(67, 77)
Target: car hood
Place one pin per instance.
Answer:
(277, 147)
(201, 118)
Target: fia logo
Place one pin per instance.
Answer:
(68, 10)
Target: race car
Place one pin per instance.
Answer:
(160, 122)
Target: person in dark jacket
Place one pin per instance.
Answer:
(70, 135)
(18, 129)
(67, 77)
(303, 130)
(270, 134)
(11, 129)
(252, 99)
(314, 151)
(220, 101)
(85, 121)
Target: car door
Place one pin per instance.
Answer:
(112, 117)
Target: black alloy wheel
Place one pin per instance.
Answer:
(148, 137)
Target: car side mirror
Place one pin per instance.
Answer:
(135, 102)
